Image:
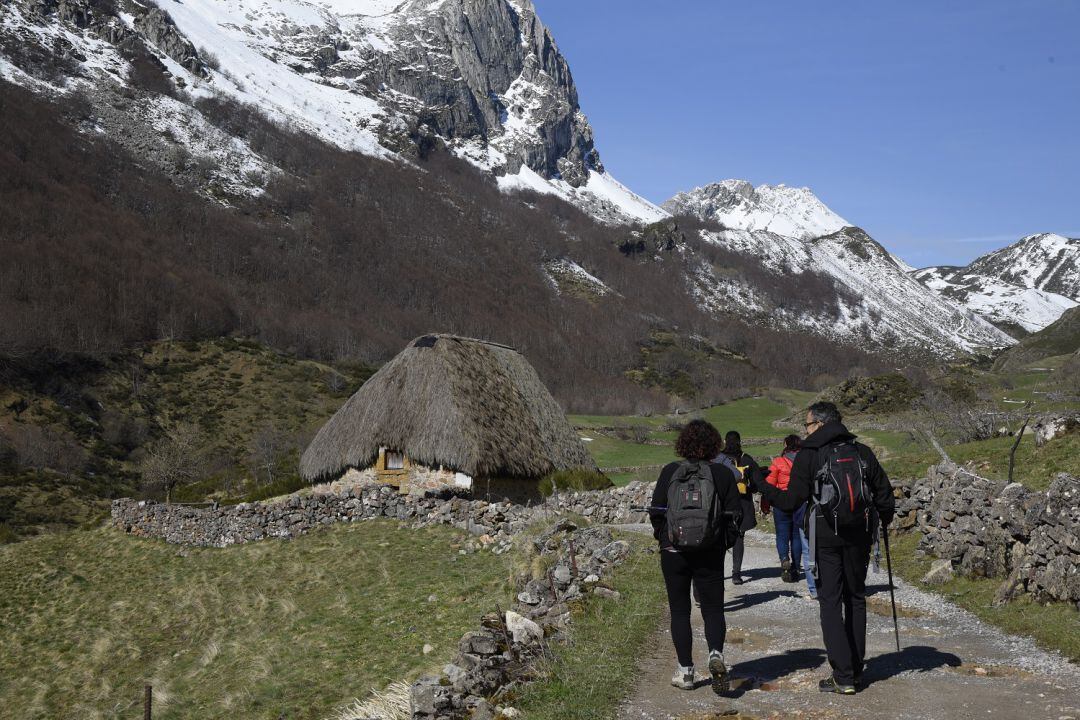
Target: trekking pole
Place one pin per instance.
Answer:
(892, 595)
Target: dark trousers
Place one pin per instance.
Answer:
(841, 589)
(737, 551)
(705, 569)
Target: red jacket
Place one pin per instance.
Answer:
(780, 472)
(779, 476)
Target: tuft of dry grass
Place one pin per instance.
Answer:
(391, 703)
(273, 629)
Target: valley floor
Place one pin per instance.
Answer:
(951, 665)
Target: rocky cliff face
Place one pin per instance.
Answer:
(483, 77)
(1021, 288)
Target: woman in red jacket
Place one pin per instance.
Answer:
(788, 542)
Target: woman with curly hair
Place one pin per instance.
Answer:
(698, 442)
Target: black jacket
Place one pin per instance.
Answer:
(725, 488)
(752, 473)
(805, 467)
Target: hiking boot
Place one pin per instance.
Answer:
(737, 580)
(718, 670)
(829, 685)
(683, 678)
(785, 570)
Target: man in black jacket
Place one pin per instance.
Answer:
(842, 558)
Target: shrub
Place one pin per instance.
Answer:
(7, 534)
(210, 59)
(577, 479)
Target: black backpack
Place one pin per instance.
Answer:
(840, 488)
(693, 507)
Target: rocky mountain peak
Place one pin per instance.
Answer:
(738, 205)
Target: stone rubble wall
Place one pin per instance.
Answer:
(990, 528)
(492, 522)
(478, 684)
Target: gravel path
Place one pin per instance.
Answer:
(951, 664)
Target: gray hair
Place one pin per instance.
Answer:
(824, 413)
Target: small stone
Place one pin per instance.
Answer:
(981, 671)
(940, 572)
(522, 629)
(428, 649)
(604, 592)
(432, 598)
(562, 574)
(510, 713)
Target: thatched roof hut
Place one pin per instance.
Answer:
(467, 405)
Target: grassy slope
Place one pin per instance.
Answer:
(272, 629)
(1035, 467)
(1055, 626)
(232, 390)
(588, 677)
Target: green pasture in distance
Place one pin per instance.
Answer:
(612, 452)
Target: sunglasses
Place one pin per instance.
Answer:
(815, 422)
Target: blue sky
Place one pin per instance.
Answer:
(945, 129)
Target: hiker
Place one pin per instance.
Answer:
(686, 557)
(746, 468)
(849, 495)
(788, 543)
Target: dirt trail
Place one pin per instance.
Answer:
(951, 665)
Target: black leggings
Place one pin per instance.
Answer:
(706, 569)
(737, 551)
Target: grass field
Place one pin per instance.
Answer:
(752, 417)
(1055, 626)
(588, 677)
(268, 630)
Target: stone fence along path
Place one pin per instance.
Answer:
(1030, 539)
(988, 528)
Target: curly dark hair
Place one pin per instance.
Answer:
(792, 443)
(699, 440)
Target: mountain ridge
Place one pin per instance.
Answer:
(887, 306)
(1023, 287)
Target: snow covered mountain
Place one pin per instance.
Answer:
(398, 79)
(738, 205)
(385, 77)
(1022, 288)
(791, 232)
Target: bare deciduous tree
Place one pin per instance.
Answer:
(174, 460)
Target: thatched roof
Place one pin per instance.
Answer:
(469, 405)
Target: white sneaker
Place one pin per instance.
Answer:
(683, 678)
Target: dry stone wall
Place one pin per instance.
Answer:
(990, 528)
(493, 522)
